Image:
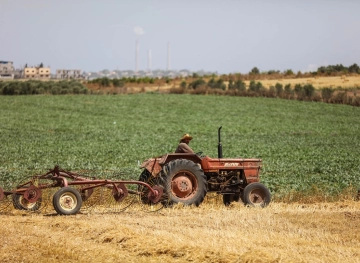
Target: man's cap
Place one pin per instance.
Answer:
(186, 136)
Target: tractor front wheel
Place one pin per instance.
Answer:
(67, 201)
(256, 194)
(185, 182)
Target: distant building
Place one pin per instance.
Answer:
(7, 70)
(37, 73)
(69, 74)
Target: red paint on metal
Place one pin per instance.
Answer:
(184, 185)
(120, 192)
(32, 194)
(155, 198)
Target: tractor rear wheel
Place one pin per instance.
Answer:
(185, 182)
(256, 194)
(67, 201)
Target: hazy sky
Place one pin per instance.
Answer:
(214, 35)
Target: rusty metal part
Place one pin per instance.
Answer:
(155, 198)
(86, 193)
(32, 194)
(184, 185)
(120, 192)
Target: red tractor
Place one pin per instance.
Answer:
(187, 177)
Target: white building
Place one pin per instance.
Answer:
(7, 70)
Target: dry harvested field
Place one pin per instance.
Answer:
(317, 82)
(322, 232)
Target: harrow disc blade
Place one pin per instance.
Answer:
(120, 192)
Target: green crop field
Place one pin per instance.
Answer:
(307, 148)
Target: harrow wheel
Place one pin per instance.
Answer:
(21, 203)
(256, 194)
(67, 201)
(37, 195)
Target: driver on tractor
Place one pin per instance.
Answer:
(183, 146)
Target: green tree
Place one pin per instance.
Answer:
(287, 88)
(326, 94)
(354, 68)
(240, 85)
(105, 82)
(118, 83)
(298, 89)
(255, 86)
(183, 84)
(309, 90)
(254, 71)
(279, 89)
(271, 72)
(288, 72)
(211, 83)
(197, 83)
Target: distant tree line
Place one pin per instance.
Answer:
(323, 70)
(339, 68)
(303, 92)
(121, 82)
(34, 87)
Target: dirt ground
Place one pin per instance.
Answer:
(322, 232)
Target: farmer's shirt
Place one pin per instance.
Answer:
(183, 148)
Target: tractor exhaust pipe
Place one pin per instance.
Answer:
(219, 145)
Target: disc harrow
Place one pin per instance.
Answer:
(68, 193)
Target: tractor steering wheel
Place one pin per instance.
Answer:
(199, 154)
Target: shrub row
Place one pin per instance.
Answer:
(305, 92)
(106, 82)
(33, 87)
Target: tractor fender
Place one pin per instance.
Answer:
(174, 156)
(154, 165)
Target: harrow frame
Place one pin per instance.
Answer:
(31, 190)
